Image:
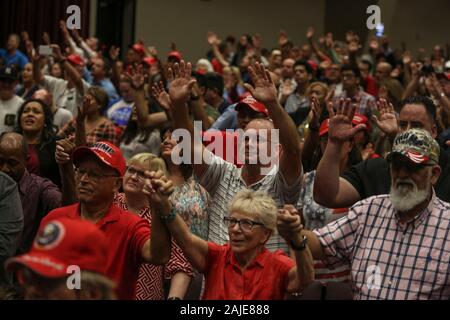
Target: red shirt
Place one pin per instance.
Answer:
(266, 278)
(126, 234)
(221, 149)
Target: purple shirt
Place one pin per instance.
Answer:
(39, 196)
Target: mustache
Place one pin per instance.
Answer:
(405, 181)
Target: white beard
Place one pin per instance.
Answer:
(404, 199)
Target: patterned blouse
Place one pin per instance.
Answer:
(150, 280)
(191, 201)
(104, 132)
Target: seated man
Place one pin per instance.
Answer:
(62, 248)
(38, 195)
(99, 172)
(397, 244)
(11, 224)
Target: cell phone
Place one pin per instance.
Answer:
(379, 30)
(45, 50)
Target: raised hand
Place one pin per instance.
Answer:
(84, 110)
(158, 189)
(264, 89)
(57, 52)
(152, 50)
(64, 149)
(407, 58)
(388, 120)
(310, 33)
(316, 109)
(63, 28)
(161, 95)
(181, 85)
(114, 53)
(212, 38)
(340, 127)
(138, 77)
(282, 39)
(289, 223)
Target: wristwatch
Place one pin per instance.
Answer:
(302, 246)
(195, 98)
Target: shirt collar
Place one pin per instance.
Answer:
(112, 215)
(24, 182)
(260, 260)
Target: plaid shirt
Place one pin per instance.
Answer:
(104, 132)
(390, 259)
(367, 104)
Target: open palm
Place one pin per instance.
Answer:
(340, 127)
(264, 89)
(388, 120)
(180, 87)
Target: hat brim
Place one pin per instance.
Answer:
(44, 265)
(413, 157)
(81, 152)
(243, 104)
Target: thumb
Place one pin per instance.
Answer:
(375, 119)
(191, 83)
(358, 128)
(249, 88)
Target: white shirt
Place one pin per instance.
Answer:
(8, 113)
(61, 118)
(64, 97)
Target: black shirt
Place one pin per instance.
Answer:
(372, 177)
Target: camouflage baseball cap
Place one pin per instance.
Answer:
(417, 145)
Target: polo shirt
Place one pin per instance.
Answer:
(18, 59)
(220, 148)
(266, 278)
(126, 234)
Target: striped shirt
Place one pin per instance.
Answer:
(390, 259)
(223, 181)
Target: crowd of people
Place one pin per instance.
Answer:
(356, 193)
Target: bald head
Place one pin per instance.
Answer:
(43, 95)
(383, 71)
(13, 155)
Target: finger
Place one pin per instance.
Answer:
(252, 73)
(176, 70)
(330, 109)
(188, 70)
(182, 69)
(249, 88)
(358, 128)
(170, 74)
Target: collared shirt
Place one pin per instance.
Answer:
(223, 181)
(390, 259)
(150, 280)
(126, 234)
(266, 278)
(39, 196)
(367, 105)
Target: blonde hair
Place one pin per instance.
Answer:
(235, 71)
(257, 204)
(317, 84)
(150, 162)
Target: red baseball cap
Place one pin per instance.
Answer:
(323, 130)
(76, 60)
(62, 243)
(106, 152)
(175, 54)
(139, 48)
(149, 61)
(253, 104)
(361, 119)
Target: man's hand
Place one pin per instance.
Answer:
(64, 149)
(407, 58)
(63, 28)
(88, 102)
(264, 90)
(161, 96)
(283, 39)
(388, 120)
(316, 109)
(340, 127)
(158, 189)
(181, 86)
(289, 224)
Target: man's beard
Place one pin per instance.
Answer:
(403, 198)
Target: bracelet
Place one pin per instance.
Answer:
(301, 247)
(169, 217)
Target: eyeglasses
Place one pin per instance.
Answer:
(244, 224)
(93, 175)
(139, 174)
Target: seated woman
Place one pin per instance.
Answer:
(151, 277)
(36, 125)
(244, 269)
(96, 127)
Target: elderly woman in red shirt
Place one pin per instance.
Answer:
(244, 269)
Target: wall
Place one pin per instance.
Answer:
(415, 22)
(186, 22)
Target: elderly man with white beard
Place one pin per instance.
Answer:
(397, 244)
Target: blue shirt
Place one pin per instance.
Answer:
(228, 120)
(18, 59)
